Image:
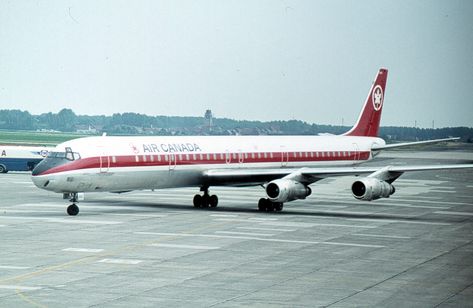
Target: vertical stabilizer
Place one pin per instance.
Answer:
(370, 116)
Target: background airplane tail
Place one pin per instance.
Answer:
(370, 116)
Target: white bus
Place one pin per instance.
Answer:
(21, 158)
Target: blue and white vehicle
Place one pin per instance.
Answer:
(21, 158)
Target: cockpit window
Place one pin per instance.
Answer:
(57, 154)
(71, 155)
(67, 155)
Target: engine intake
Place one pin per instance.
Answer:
(286, 190)
(371, 189)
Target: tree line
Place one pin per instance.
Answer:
(135, 124)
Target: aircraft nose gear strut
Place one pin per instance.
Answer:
(73, 209)
(205, 200)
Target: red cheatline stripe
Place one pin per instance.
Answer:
(206, 159)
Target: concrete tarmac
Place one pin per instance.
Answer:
(153, 249)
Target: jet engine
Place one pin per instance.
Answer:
(283, 190)
(371, 189)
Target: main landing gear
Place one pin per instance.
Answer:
(266, 205)
(205, 200)
(73, 209)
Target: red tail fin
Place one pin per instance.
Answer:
(368, 121)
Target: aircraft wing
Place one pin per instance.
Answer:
(252, 177)
(407, 144)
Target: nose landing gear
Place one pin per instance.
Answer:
(73, 209)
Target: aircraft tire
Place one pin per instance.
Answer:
(73, 210)
(197, 201)
(261, 205)
(265, 205)
(213, 201)
(278, 206)
(205, 201)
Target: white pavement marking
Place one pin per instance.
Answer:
(383, 203)
(401, 221)
(244, 233)
(383, 236)
(430, 201)
(13, 267)
(266, 229)
(350, 200)
(63, 220)
(294, 224)
(415, 206)
(469, 186)
(20, 288)
(82, 250)
(454, 213)
(223, 215)
(259, 239)
(263, 219)
(37, 210)
(3, 226)
(121, 261)
(289, 224)
(233, 219)
(139, 215)
(197, 247)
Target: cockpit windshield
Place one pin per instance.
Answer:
(69, 155)
(56, 155)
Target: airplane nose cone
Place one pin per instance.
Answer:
(40, 168)
(39, 182)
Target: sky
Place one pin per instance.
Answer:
(257, 60)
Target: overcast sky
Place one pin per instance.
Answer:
(263, 60)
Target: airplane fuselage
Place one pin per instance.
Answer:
(132, 163)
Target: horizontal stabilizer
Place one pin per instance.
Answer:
(407, 144)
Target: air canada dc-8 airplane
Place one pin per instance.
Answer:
(284, 166)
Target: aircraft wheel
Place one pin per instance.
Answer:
(73, 210)
(265, 205)
(213, 201)
(278, 206)
(197, 201)
(205, 201)
(262, 205)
